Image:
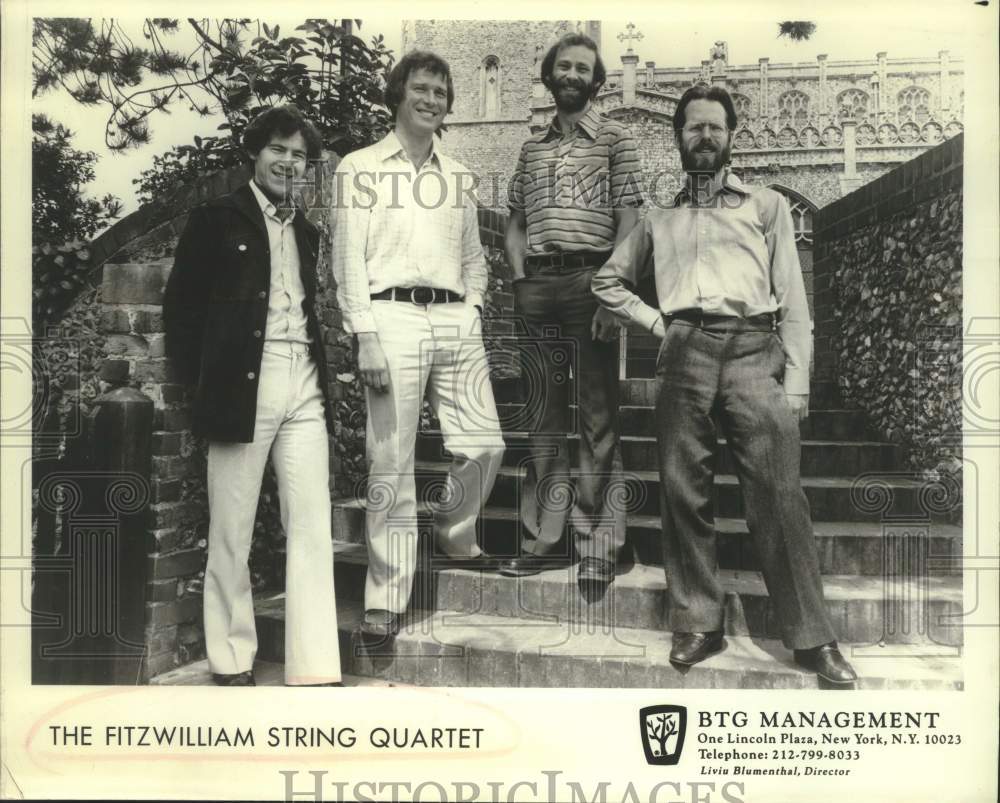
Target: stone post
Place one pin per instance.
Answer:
(629, 63)
(850, 181)
(176, 524)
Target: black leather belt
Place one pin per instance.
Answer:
(765, 322)
(581, 259)
(418, 295)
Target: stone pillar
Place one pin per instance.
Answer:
(850, 181)
(132, 319)
(592, 28)
(762, 101)
(944, 84)
(883, 75)
(629, 63)
(650, 77)
(824, 99)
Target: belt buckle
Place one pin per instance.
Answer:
(413, 295)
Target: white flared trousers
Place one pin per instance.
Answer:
(290, 427)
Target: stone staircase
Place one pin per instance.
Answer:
(892, 584)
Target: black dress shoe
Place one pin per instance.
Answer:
(827, 662)
(380, 624)
(596, 570)
(312, 685)
(239, 679)
(530, 564)
(690, 648)
(481, 562)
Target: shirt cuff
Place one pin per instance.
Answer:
(796, 381)
(360, 323)
(647, 317)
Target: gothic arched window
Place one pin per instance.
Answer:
(913, 105)
(489, 88)
(744, 109)
(793, 109)
(802, 215)
(852, 103)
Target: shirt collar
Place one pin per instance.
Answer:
(588, 124)
(390, 146)
(266, 205)
(730, 181)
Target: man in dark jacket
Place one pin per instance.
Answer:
(241, 327)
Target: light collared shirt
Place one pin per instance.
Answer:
(732, 255)
(396, 226)
(286, 320)
(569, 184)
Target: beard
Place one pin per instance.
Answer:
(695, 160)
(568, 100)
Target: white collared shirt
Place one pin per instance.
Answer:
(396, 226)
(286, 320)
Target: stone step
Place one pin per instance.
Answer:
(266, 673)
(818, 458)
(823, 425)
(876, 498)
(864, 610)
(447, 649)
(844, 547)
(823, 393)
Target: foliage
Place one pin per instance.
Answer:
(238, 67)
(63, 218)
(59, 209)
(898, 304)
(797, 31)
(330, 74)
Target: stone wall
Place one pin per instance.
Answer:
(888, 278)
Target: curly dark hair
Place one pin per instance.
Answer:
(285, 121)
(395, 87)
(572, 40)
(702, 92)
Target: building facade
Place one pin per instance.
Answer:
(815, 130)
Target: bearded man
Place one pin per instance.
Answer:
(575, 194)
(736, 345)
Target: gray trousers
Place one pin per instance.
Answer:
(735, 376)
(557, 308)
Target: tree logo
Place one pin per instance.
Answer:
(662, 728)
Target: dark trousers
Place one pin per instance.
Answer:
(734, 376)
(557, 308)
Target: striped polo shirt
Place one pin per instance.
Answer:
(569, 185)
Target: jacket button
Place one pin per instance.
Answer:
(257, 333)
(251, 375)
(262, 294)
(242, 247)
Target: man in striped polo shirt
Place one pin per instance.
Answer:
(575, 194)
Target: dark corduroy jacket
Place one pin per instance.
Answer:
(215, 311)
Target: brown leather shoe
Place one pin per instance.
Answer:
(690, 648)
(239, 679)
(596, 570)
(827, 662)
(379, 624)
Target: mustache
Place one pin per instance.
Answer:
(572, 83)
